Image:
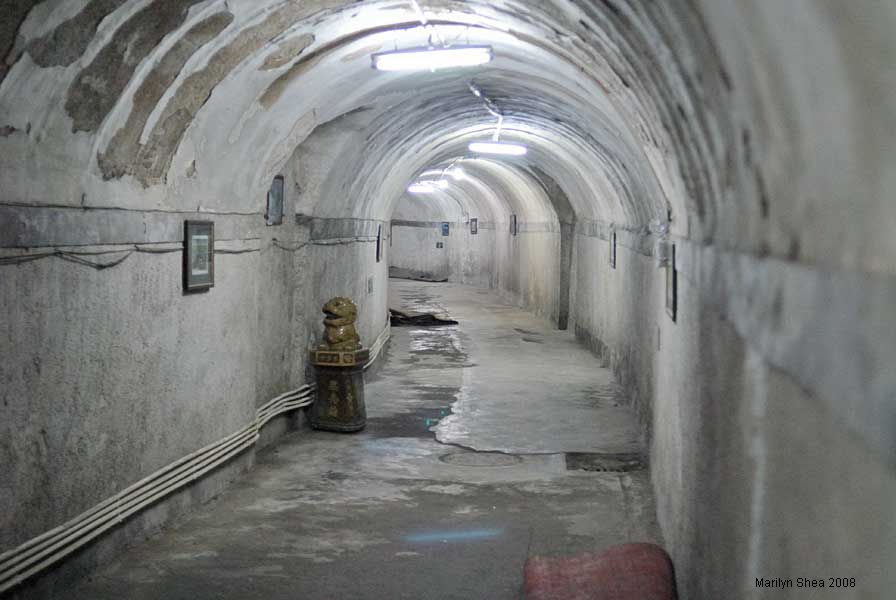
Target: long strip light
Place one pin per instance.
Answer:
(432, 59)
(494, 146)
(421, 188)
(500, 148)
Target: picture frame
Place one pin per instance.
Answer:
(379, 243)
(474, 226)
(672, 286)
(274, 212)
(199, 256)
(612, 238)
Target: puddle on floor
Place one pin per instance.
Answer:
(414, 424)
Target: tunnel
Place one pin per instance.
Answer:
(684, 267)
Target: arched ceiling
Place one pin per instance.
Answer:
(487, 190)
(186, 104)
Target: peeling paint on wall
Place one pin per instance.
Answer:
(99, 86)
(125, 155)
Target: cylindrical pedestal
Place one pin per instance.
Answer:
(340, 390)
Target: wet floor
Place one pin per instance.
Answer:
(487, 442)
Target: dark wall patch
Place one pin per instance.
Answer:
(98, 87)
(124, 153)
(155, 157)
(12, 15)
(68, 42)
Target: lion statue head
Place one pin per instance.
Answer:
(339, 324)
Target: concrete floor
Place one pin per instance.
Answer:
(393, 512)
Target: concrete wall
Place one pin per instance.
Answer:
(416, 252)
(757, 474)
(756, 136)
(109, 375)
(525, 268)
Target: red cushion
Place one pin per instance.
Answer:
(625, 572)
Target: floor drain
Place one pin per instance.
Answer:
(607, 463)
(480, 459)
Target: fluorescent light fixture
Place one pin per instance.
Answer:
(498, 148)
(436, 183)
(421, 188)
(431, 59)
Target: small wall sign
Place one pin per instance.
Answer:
(379, 243)
(445, 229)
(672, 286)
(613, 249)
(274, 213)
(199, 256)
(474, 226)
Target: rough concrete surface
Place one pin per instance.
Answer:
(391, 512)
(756, 136)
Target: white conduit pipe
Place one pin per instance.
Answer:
(379, 344)
(37, 554)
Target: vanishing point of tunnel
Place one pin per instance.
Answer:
(610, 290)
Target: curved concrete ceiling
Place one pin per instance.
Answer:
(230, 81)
(487, 190)
(627, 105)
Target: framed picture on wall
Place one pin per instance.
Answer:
(199, 256)
(474, 226)
(379, 243)
(671, 286)
(613, 249)
(274, 212)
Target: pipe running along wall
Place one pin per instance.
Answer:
(752, 135)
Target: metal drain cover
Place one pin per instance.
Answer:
(480, 459)
(608, 463)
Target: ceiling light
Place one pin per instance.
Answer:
(498, 148)
(421, 188)
(431, 59)
(457, 173)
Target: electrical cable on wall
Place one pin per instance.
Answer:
(39, 553)
(78, 256)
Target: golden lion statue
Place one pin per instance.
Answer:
(339, 324)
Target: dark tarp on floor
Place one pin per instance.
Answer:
(399, 318)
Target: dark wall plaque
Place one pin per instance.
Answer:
(199, 256)
(613, 249)
(274, 214)
(672, 286)
(379, 243)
